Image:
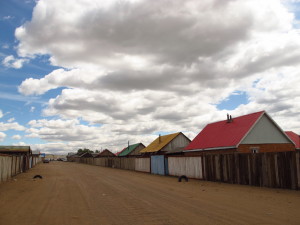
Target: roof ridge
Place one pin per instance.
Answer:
(263, 111)
(158, 146)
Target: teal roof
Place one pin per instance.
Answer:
(126, 151)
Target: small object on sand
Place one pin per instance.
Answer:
(38, 176)
(183, 177)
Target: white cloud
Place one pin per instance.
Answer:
(7, 17)
(1, 114)
(32, 108)
(12, 62)
(141, 67)
(70, 135)
(16, 137)
(5, 46)
(11, 120)
(11, 126)
(21, 144)
(2, 136)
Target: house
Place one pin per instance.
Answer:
(117, 153)
(86, 155)
(167, 144)
(252, 133)
(132, 150)
(160, 147)
(105, 153)
(295, 138)
(71, 157)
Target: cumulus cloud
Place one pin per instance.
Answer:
(11, 126)
(11, 120)
(12, 62)
(16, 137)
(70, 135)
(21, 144)
(2, 136)
(7, 17)
(142, 67)
(5, 46)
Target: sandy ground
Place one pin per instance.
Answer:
(72, 193)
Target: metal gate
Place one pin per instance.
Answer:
(159, 165)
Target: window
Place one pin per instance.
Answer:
(254, 149)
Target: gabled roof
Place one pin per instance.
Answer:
(105, 153)
(129, 149)
(224, 134)
(15, 149)
(117, 154)
(86, 154)
(294, 137)
(159, 143)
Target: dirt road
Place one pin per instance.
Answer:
(72, 193)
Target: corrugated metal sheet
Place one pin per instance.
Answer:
(159, 143)
(294, 137)
(158, 165)
(142, 164)
(223, 134)
(11, 166)
(126, 151)
(5, 168)
(188, 166)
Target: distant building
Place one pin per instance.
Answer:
(131, 150)
(86, 155)
(105, 153)
(167, 144)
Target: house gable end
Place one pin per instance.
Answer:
(265, 131)
(179, 142)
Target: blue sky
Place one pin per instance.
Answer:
(96, 74)
(14, 13)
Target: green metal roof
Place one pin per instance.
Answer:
(126, 151)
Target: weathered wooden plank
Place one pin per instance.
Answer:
(298, 168)
(293, 169)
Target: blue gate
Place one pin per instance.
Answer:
(159, 165)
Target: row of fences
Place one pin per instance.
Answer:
(275, 170)
(11, 165)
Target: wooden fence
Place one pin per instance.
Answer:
(142, 165)
(13, 165)
(113, 162)
(276, 170)
(188, 166)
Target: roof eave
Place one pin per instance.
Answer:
(211, 149)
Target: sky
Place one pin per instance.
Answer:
(97, 74)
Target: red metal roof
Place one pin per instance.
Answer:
(119, 152)
(223, 134)
(294, 137)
